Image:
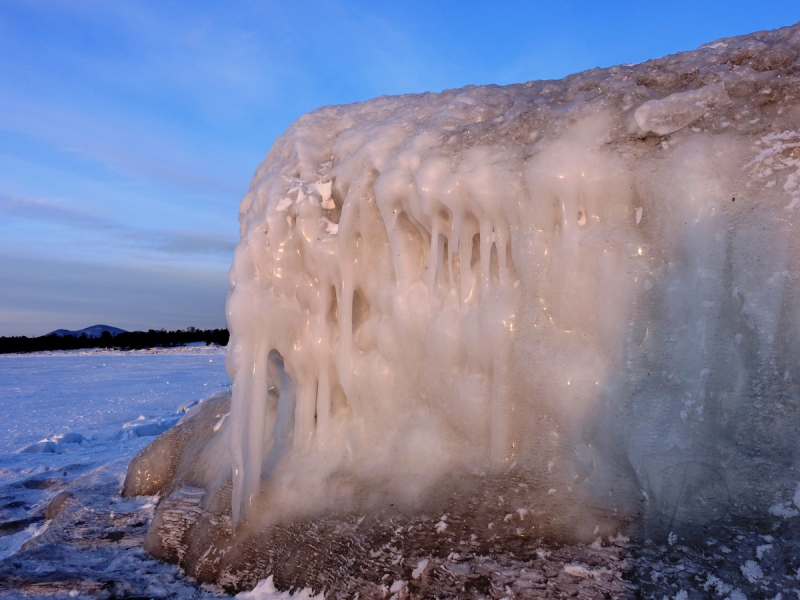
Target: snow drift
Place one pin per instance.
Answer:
(593, 281)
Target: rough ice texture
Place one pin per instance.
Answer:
(593, 281)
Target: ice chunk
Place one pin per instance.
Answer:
(148, 427)
(266, 590)
(762, 550)
(398, 586)
(284, 205)
(54, 444)
(324, 191)
(332, 228)
(421, 566)
(676, 111)
(751, 571)
(577, 570)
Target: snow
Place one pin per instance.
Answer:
(421, 566)
(762, 550)
(10, 544)
(578, 570)
(752, 571)
(100, 394)
(72, 421)
(719, 586)
(265, 590)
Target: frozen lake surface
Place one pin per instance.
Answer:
(72, 421)
(96, 393)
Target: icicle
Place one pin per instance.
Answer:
(323, 405)
(248, 417)
(487, 240)
(465, 256)
(454, 248)
(345, 351)
(304, 425)
(433, 261)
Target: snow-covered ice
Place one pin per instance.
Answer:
(101, 394)
(69, 424)
(265, 590)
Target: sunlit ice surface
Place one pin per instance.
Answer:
(590, 278)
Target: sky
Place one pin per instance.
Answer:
(129, 131)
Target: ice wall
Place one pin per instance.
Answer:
(594, 279)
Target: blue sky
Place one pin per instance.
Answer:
(129, 131)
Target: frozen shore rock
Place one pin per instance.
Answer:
(586, 287)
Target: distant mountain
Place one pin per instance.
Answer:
(95, 331)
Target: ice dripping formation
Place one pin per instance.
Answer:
(597, 274)
(593, 281)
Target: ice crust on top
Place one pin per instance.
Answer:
(595, 278)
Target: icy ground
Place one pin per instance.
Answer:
(98, 393)
(69, 424)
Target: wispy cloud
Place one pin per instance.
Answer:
(137, 150)
(166, 241)
(52, 211)
(187, 243)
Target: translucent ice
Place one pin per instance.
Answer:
(555, 272)
(668, 115)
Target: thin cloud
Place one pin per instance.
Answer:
(53, 212)
(140, 151)
(171, 242)
(188, 243)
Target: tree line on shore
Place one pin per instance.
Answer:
(130, 340)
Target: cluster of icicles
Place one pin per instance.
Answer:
(430, 283)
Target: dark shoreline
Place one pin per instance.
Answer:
(129, 340)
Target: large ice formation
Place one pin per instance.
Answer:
(592, 280)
